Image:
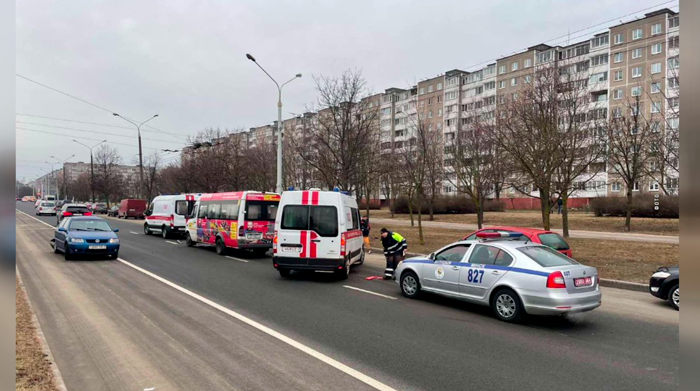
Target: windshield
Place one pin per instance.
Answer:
(48, 204)
(261, 210)
(546, 257)
(77, 209)
(554, 241)
(89, 225)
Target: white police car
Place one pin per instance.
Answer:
(506, 272)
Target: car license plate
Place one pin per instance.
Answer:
(98, 247)
(255, 236)
(77, 214)
(585, 281)
(291, 249)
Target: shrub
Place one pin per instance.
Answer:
(642, 206)
(362, 205)
(458, 204)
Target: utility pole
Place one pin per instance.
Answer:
(92, 168)
(63, 163)
(279, 121)
(138, 129)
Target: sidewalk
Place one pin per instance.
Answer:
(467, 228)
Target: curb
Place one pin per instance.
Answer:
(58, 379)
(631, 286)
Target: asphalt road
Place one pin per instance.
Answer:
(113, 327)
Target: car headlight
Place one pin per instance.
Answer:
(77, 240)
(660, 275)
(114, 240)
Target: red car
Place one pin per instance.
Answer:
(536, 235)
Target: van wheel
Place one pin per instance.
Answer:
(507, 306)
(410, 285)
(284, 272)
(362, 258)
(164, 232)
(344, 273)
(220, 247)
(188, 240)
(146, 230)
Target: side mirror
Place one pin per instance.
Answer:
(431, 256)
(116, 230)
(62, 229)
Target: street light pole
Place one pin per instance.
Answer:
(48, 180)
(280, 133)
(92, 168)
(63, 163)
(138, 129)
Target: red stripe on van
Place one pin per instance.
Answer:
(312, 245)
(304, 197)
(303, 244)
(314, 198)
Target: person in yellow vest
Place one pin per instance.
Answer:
(395, 247)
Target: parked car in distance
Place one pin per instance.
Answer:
(535, 235)
(70, 210)
(46, 208)
(85, 235)
(665, 284)
(132, 208)
(113, 211)
(100, 207)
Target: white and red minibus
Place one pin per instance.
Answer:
(237, 220)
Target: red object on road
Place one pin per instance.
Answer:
(535, 235)
(370, 278)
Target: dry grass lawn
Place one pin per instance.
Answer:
(577, 221)
(33, 370)
(617, 260)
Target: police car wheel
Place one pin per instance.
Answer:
(146, 230)
(410, 285)
(507, 306)
(188, 240)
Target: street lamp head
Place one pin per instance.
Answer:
(251, 58)
(155, 115)
(298, 74)
(115, 114)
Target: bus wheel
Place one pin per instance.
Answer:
(220, 247)
(188, 240)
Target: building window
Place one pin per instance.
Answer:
(430, 114)
(527, 79)
(656, 48)
(673, 123)
(673, 102)
(673, 82)
(637, 53)
(451, 95)
(490, 70)
(617, 112)
(637, 72)
(450, 122)
(545, 56)
(655, 87)
(654, 186)
(439, 98)
(636, 91)
(618, 75)
(527, 63)
(615, 187)
(618, 94)
(674, 42)
(386, 111)
(439, 86)
(673, 62)
(599, 60)
(430, 101)
(514, 81)
(619, 38)
(430, 88)
(421, 91)
(655, 68)
(600, 41)
(439, 112)
(490, 85)
(672, 183)
(514, 66)
(618, 57)
(655, 126)
(598, 78)
(637, 34)
(501, 69)
(635, 187)
(501, 84)
(673, 22)
(656, 29)
(655, 107)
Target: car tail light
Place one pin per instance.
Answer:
(342, 244)
(274, 243)
(88, 214)
(555, 280)
(172, 221)
(40, 208)
(67, 214)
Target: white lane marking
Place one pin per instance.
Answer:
(298, 345)
(135, 233)
(370, 292)
(237, 259)
(32, 217)
(171, 242)
(149, 389)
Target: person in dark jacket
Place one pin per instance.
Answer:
(365, 227)
(395, 247)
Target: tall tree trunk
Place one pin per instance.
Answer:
(628, 216)
(565, 214)
(545, 206)
(420, 224)
(410, 211)
(431, 206)
(367, 191)
(479, 214)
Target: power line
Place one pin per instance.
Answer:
(84, 138)
(91, 123)
(96, 132)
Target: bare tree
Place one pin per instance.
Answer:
(108, 178)
(629, 140)
(345, 125)
(150, 174)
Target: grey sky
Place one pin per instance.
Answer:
(185, 60)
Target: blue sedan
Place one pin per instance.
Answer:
(86, 235)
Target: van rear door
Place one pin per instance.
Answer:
(309, 232)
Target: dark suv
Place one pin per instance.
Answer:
(69, 210)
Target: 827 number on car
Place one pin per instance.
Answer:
(475, 276)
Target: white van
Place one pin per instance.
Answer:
(166, 214)
(317, 230)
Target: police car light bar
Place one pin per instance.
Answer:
(492, 235)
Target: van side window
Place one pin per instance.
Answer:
(229, 210)
(214, 211)
(324, 220)
(295, 217)
(181, 207)
(202, 211)
(355, 219)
